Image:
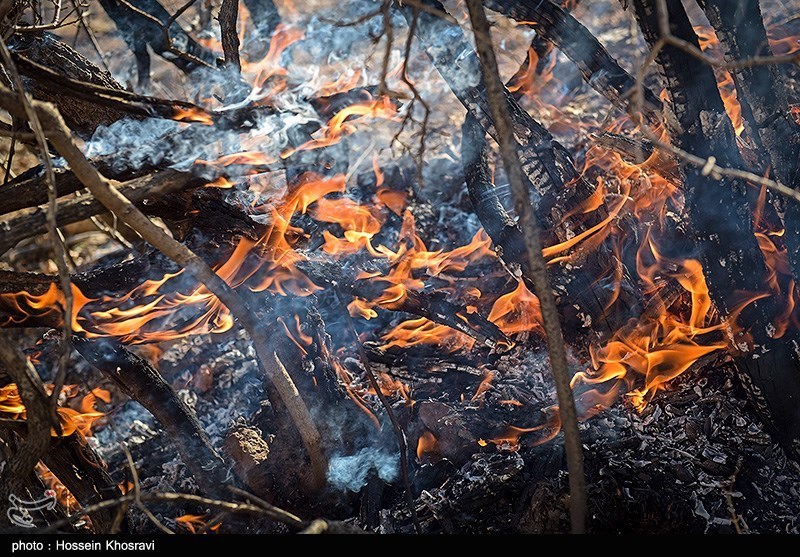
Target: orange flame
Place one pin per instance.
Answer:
(194, 523)
(338, 126)
(517, 312)
(71, 420)
(662, 346)
(419, 331)
(192, 114)
(710, 45)
(62, 494)
(426, 445)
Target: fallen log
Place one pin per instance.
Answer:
(47, 51)
(762, 90)
(78, 467)
(582, 302)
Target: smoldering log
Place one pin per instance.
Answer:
(78, 467)
(119, 102)
(762, 91)
(30, 488)
(546, 164)
(720, 215)
(144, 384)
(428, 304)
(577, 296)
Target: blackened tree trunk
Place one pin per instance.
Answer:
(720, 215)
(740, 29)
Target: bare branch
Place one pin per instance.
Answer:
(538, 266)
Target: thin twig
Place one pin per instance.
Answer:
(90, 33)
(137, 494)
(533, 243)
(170, 497)
(275, 513)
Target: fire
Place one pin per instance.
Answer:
(343, 83)
(426, 445)
(414, 332)
(71, 420)
(527, 81)
(664, 344)
(63, 495)
(248, 158)
(338, 126)
(221, 182)
(782, 41)
(484, 386)
(259, 73)
(710, 45)
(779, 276)
(192, 114)
(592, 237)
(510, 439)
(355, 394)
(517, 312)
(392, 387)
(194, 523)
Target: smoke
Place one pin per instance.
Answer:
(350, 472)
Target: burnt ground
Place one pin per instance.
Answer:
(696, 460)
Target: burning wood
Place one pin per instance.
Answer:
(298, 268)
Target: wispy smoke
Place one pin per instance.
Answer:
(350, 472)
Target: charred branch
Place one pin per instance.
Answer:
(18, 469)
(78, 467)
(228, 16)
(46, 51)
(149, 24)
(762, 90)
(144, 384)
(139, 191)
(598, 68)
(533, 250)
(546, 164)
